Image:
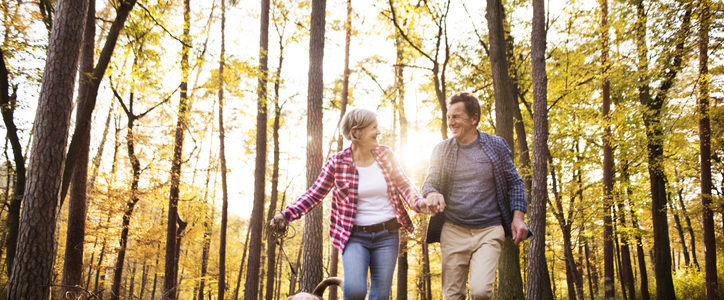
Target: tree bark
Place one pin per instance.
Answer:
(144, 276)
(334, 253)
(222, 160)
(241, 265)
(402, 265)
(689, 228)
(75, 232)
(510, 285)
(171, 267)
(32, 269)
(607, 165)
(312, 266)
(640, 255)
(575, 287)
(712, 289)
(538, 283)
(652, 115)
(83, 118)
(7, 107)
(208, 226)
(679, 229)
(295, 271)
(271, 252)
(627, 276)
(131, 285)
(427, 285)
(251, 287)
(591, 275)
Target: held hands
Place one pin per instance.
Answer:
(434, 203)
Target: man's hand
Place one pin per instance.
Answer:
(435, 202)
(518, 228)
(424, 207)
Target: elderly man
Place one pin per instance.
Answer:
(473, 182)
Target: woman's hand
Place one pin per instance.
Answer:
(278, 222)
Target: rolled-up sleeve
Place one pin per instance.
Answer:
(314, 195)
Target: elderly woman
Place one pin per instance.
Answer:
(369, 188)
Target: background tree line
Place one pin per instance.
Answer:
(132, 121)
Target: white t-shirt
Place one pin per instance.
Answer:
(374, 205)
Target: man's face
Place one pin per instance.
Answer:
(459, 122)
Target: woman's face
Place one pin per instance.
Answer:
(367, 136)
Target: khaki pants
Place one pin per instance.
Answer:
(466, 249)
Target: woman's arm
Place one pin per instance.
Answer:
(314, 195)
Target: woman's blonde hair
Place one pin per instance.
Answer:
(357, 118)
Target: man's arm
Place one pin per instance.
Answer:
(434, 201)
(434, 172)
(516, 188)
(516, 196)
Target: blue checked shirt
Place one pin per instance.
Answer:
(510, 191)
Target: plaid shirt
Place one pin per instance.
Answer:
(510, 191)
(340, 173)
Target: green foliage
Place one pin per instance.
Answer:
(690, 283)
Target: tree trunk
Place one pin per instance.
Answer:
(144, 276)
(679, 229)
(83, 118)
(617, 250)
(271, 243)
(295, 272)
(652, 115)
(510, 285)
(135, 177)
(32, 276)
(251, 287)
(520, 135)
(208, 226)
(591, 275)
(131, 285)
(427, 285)
(538, 283)
(627, 276)
(155, 278)
(575, 287)
(705, 155)
(644, 285)
(690, 229)
(222, 161)
(7, 107)
(99, 154)
(334, 253)
(312, 267)
(241, 265)
(171, 267)
(75, 232)
(608, 268)
(402, 264)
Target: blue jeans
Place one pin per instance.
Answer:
(376, 251)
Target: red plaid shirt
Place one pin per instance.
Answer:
(340, 173)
